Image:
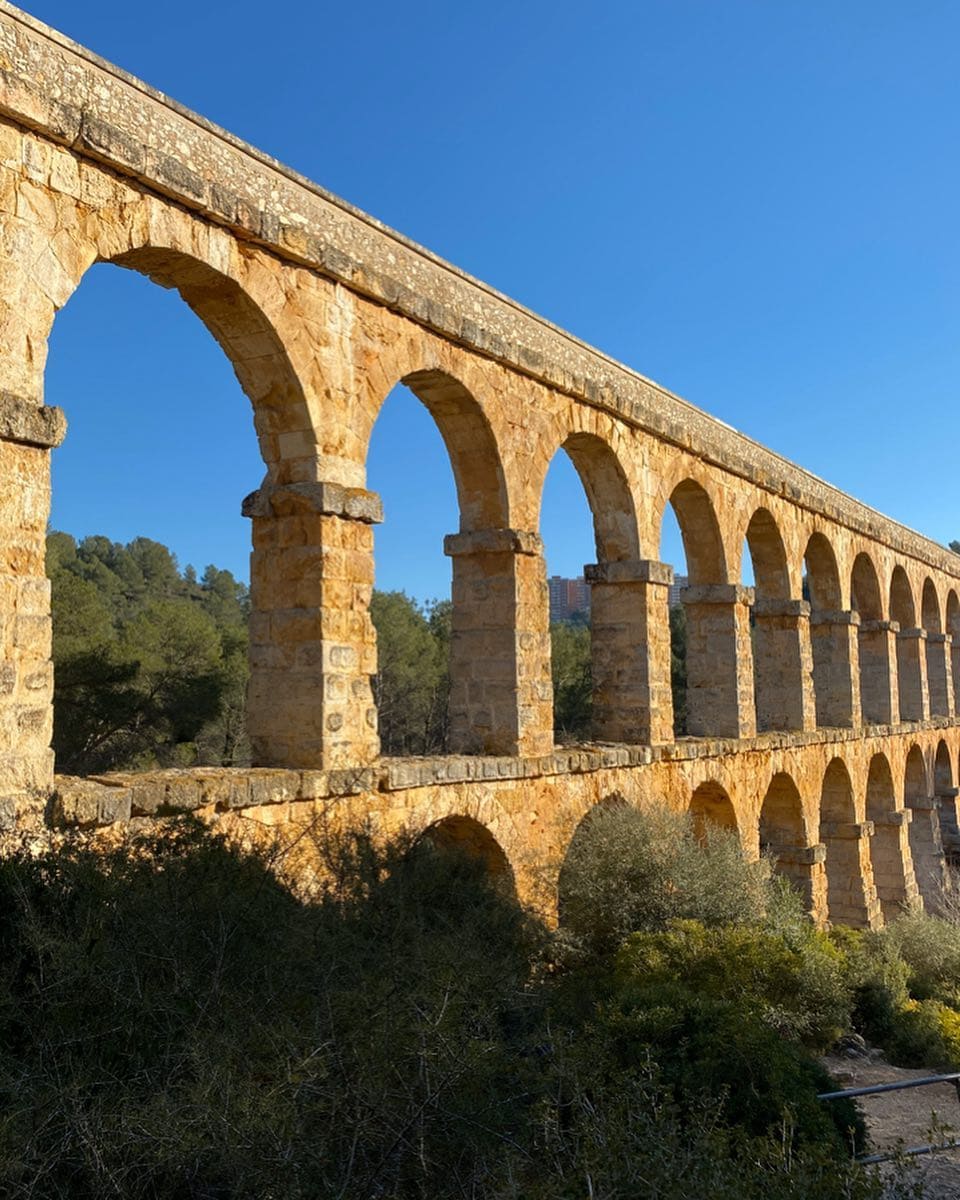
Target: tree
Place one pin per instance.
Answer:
(678, 667)
(572, 680)
(412, 680)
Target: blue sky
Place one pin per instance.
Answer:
(753, 203)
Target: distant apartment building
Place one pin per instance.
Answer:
(568, 597)
(673, 595)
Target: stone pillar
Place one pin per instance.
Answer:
(893, 872)
(955, 673)
(803, 866)
(926, 847)
(313, 648)
(501, 696)
(720, 700)
(851, 894)
(878, 679)
(940, 675)
(783, 664)
(630, 651)
(27, 434)
(912, 675)
(836, 682)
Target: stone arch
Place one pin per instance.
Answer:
(945, 790)
(608, 493)
(780, 628)
(911, 665)
(249, 338)
(719, 669)
(953, 633)
(783, 836)
(461, 834)
(622, 633)
(499, 659)
(700, 531)
(252, 343)
(835, 699)
(711, 805)
(939, 673)
(925, 843)
(851, 898)
(872, 642)
(889, 847)
(471, 445)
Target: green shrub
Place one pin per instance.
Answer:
(930, 946)
(877, 977)
(629, 869)
(925, 1033)
(799, 990)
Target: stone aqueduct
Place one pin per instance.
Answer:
(832, 739)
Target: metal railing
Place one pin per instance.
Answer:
(910, 1151)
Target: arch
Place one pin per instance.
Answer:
(865, 595)
(889, 851)
(608, 494)
(930, 608)
(700, 531)
(952, 623)
(768, 555)
(782, 835)
(823, 575)
(619, 634)
(460, 834)
(873, 657)
(249, 339)
(910, 662)
(944, 788)
(471, 444)
(939, 667)
(925, 842)
(711, 805)
(780, 659)
(851, 897)
(833, 683)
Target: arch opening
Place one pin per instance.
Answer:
(830, 636)
(911, 662)
(711, 667)
(151, 661)
(851, 896)
(953, 632)
(926, 847)
(939, 674)
(944, 787)
(711, 805)
(889, 852)
(464, 835)
(778, 632)
(783, 837)
(598, 630)
(873, 650)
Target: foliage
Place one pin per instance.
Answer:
(412, 683)
(877, 978)
(925, 1033)
(930, 947)
(150, 666)
(173, 1022)
(572, 679)
(796, 987)
(628, 870)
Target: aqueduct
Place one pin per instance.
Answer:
(829, 735)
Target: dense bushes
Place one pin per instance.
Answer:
(174, 1023)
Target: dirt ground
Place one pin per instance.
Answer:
(906, 1117)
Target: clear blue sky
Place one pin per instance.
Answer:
(753, 203)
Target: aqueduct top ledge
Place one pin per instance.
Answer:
(61, 90)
